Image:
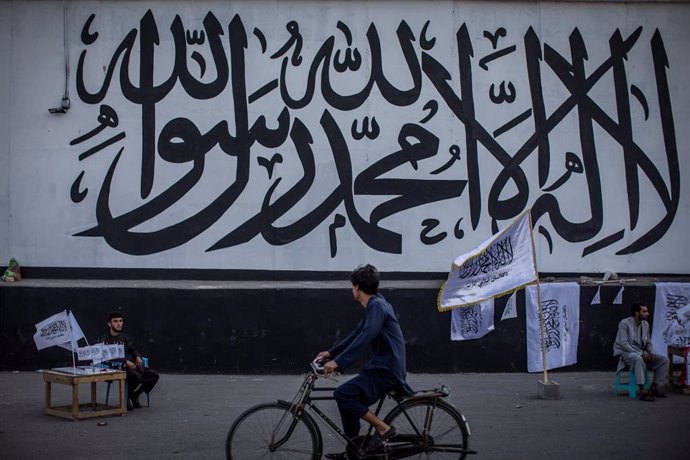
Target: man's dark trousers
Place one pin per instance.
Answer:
(356, 395)
(141, 380)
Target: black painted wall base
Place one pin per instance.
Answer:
(264, 330)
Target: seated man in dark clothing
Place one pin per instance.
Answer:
(139, 379)
(385, 371)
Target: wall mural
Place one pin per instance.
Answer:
(425, 137)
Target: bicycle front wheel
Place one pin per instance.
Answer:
(273, 431)
(434, 429)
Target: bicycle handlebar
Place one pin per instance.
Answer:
(317, 367)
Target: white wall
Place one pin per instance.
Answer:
(5, 56)
(173, 225)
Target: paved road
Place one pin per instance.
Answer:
(190, 415)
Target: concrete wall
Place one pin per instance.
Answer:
(447, 120)
(5, 56)
(277, 327)
(294, 140)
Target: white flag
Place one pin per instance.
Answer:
(561, 312)
(500, 265)
(76, 332)
(597, 297)
(101, 352)
(91, 353)
(472, 322)
(85, 353)
(510, 310)
(116, 350)
(619, 297)
(53, 331)
(671, 324)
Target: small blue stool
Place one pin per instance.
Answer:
(630, 386)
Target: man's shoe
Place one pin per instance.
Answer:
(380, 439)
(337, 456)
(657, 394)
(646, 396)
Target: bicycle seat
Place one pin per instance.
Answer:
(401, 391)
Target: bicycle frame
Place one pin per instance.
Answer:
(304, 400)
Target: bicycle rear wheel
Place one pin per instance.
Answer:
(272, 431)
(442, 429)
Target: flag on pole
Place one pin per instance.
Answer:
(510, 310)
(53, 331)
(500, 265)
(77, 334)
(560, 304)
(472, 322)
(61, 329)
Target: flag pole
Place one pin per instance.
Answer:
(539, 307)
(71, 342)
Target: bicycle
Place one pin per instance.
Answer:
(428, 424)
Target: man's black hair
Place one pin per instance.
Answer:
(634, 308)
(115, 314)
(366, 278)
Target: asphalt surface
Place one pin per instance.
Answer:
(190, 415)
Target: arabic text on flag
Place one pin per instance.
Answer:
(498, 266)
(560, 305)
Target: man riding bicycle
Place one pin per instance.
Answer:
(385, 371)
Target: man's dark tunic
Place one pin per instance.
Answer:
(385, 371)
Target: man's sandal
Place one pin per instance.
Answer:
(380, 439)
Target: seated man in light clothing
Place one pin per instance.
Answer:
(634, 346)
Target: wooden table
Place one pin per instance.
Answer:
(677, 351)
(95, 409)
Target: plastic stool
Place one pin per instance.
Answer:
(630, 386)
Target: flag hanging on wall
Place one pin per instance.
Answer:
(671, 316)
(472, 322)
(619, 297)
(597, 297)
(510, 310)
(498, 266)
(561, 312)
